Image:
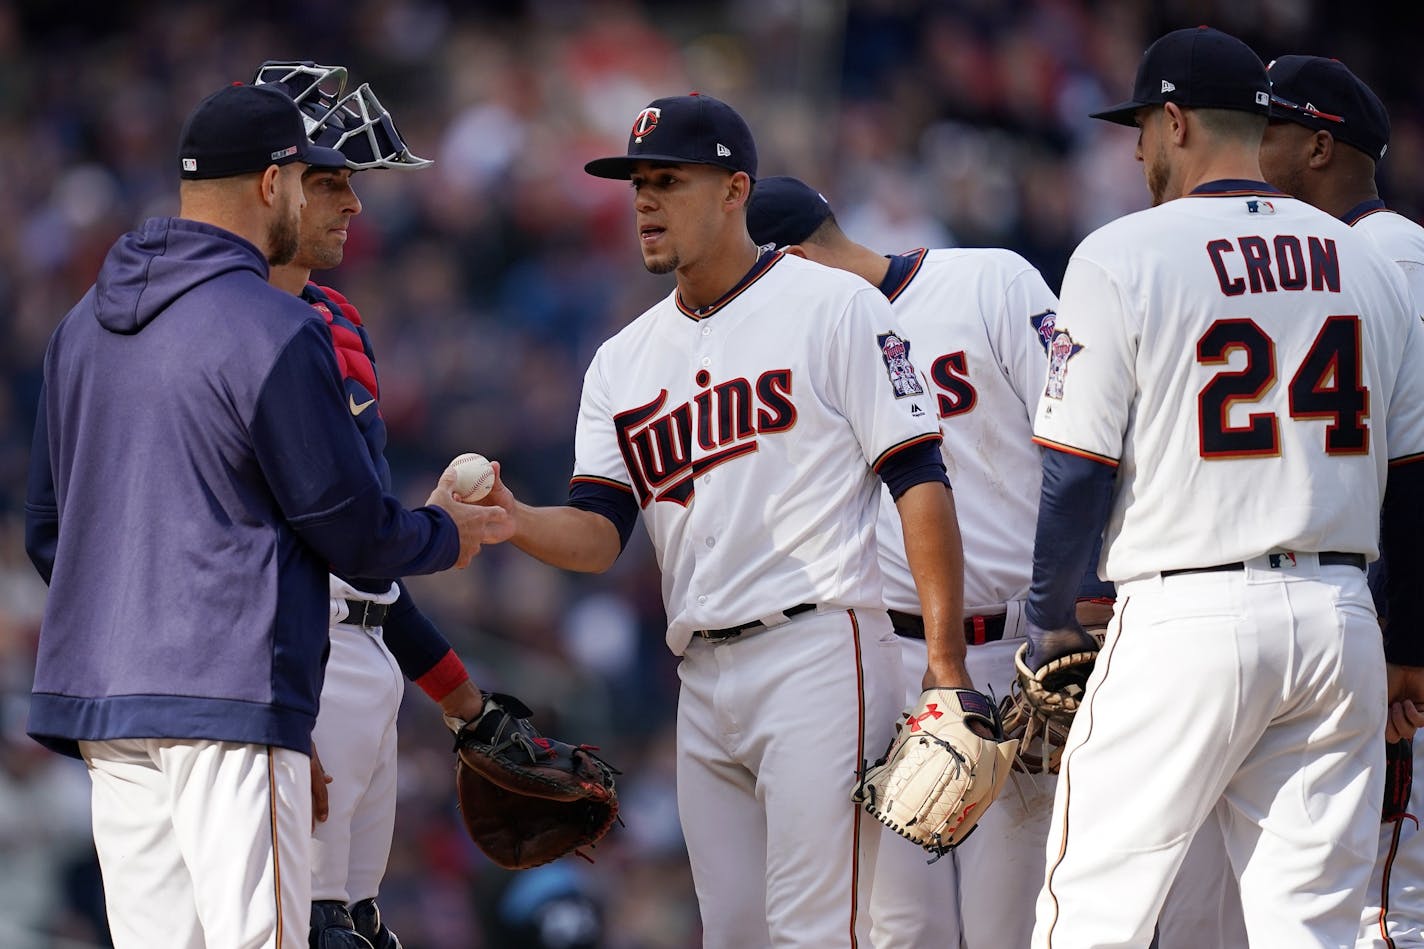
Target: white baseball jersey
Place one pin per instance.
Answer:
(980, 320)
(748, 431)
(1299, 329)
(1399, 239)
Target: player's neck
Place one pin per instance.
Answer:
(1226, 165)
(708, 279)
(1338, 197)
(290, 277)
(870, 266)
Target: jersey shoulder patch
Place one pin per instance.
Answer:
(895, 351)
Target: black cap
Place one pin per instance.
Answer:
(692, 129)
(1198, 68)
(241, 129)
(785, 210)
(1322, 93)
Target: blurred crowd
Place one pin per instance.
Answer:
(487, 282)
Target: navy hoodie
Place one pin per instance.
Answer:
(195, 475)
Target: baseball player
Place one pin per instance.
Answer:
(1327, 131)
(1236, 361)
(377, 632)
(750, 416)
(983, 319)
(194, 473)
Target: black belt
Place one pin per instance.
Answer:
(978, 630)
(1326, 558)
(365, 614)
(731, 632)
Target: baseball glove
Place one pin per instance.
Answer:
(526, 799)
(938, 776)
(1040, 707)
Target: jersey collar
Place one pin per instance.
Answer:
(764, 262)
(1363, 209)
(903, 268)
(1231, 187)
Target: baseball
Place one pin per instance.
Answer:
(473, 476)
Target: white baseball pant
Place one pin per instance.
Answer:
(202, 843)
(771, 730)
(1252, 697)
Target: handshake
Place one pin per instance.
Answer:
(481, 506)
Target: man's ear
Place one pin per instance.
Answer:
(739, 189)
(268, 185)
(797, 250)
(1322, 149)
(1176, 120)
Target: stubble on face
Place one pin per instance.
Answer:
(284, 233)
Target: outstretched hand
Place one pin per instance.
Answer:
(478, 524)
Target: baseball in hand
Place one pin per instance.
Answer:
(474, 477)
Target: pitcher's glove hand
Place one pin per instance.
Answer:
(526, 799)
(1053, 668)
(938, 776)
(1398, 779)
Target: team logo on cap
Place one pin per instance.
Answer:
(896, 353)
(646, 121)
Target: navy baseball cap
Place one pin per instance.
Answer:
(241, 129)
(1199, 68)
(785, 210)
(692, 129)
(1323, 94)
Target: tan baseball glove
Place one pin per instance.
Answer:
(1040, 706)
(938, 776)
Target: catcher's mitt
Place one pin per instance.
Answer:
(938, 776)
(1040, 707)
(527, 800)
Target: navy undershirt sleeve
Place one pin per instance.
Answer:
(616, 504)
(1402, 560)
(912, 465)
(414, 641)
(1072, 510)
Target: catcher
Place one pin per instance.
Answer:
(526, 799)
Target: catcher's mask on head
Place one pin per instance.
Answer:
(355, 123)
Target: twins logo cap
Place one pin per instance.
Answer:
(241, 129)
(785, 210)
(1196, 68)
(692, 129)
(1323, 94)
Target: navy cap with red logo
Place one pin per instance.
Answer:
(241, 129)
(1198, 68)
(1322, 94)
(692, 129)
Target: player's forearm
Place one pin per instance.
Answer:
(566, 537)
(936, 557)
(1072, 510)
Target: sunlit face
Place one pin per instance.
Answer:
(284, 231)
(1285, 151)
(331, 203)
(678, 212)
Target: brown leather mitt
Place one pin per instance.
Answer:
(526, 799)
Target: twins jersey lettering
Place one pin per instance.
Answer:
(729, 439)
(1299, 329)
(984, 359)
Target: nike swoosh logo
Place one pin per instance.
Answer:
(358, 407)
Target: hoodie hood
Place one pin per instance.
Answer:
(147, 269)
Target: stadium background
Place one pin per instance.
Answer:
(489, 280)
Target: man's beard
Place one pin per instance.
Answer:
(667, 265)
(283, 237)
(1159, 177)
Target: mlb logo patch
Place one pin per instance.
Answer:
(1281, 561)
(284, 152)
(190, 164)
(896, 354)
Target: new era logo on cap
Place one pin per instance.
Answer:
(723, 151)
(1210, 70)
(1168, 86)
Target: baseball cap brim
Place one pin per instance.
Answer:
(1124, 113)
(620, 167)
(319, 156)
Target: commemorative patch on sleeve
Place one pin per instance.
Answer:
(896, 353)
(1060, 347)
